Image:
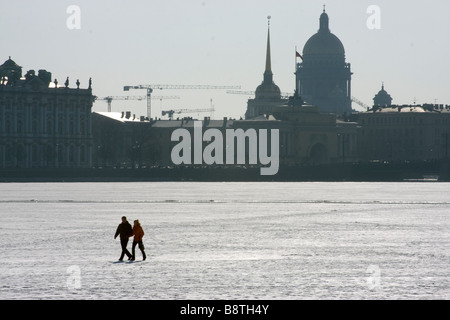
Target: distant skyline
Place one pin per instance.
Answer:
(205, 42)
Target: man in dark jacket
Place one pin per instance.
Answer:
(125, 231)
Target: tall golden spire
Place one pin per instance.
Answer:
(268, 75)
(268, 59)
(268, 89)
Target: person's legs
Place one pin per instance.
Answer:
(133, 250)
(123, 251)
(141, 246)
(124, 243)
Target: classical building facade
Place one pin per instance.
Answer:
(123, 140)
(323, 77)
(313, 138)
(43, 125)
(405, 133)
(306, 137)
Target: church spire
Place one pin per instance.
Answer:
(268, 72)
(267, 89)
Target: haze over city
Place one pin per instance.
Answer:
(120, 43)
(301, 199)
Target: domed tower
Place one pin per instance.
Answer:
(323, 77)
(10, 72)
(268, 89)
(267, 94)
(382, 98)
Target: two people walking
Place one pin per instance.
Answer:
(126, 231)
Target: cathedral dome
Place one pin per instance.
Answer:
(382, 98)
(323, 42)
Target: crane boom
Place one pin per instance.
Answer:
(248, 93)
(109, 99)
(121, 98)
(170, 86)
(360, 103)
(151, 87)
(284, 95)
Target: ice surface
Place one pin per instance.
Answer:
(226, 240)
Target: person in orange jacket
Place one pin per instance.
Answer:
(138, 234)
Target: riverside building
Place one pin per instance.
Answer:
(43, 124)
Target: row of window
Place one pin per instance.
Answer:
(405, 152)
(408, 132)
(49, 128)
(403, 120)
(37, 107)
(43, 154)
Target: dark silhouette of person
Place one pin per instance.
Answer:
(138, 234)
(125, 231)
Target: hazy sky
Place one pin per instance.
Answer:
(223, 42)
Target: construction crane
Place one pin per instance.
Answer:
(170, 113)
(248, 93)
(151, 87)
(109, 99)
(284, 95)
(360, 103)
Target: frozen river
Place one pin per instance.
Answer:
(227, 240)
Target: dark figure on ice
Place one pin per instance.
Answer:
(138, 233)
(125, 231)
